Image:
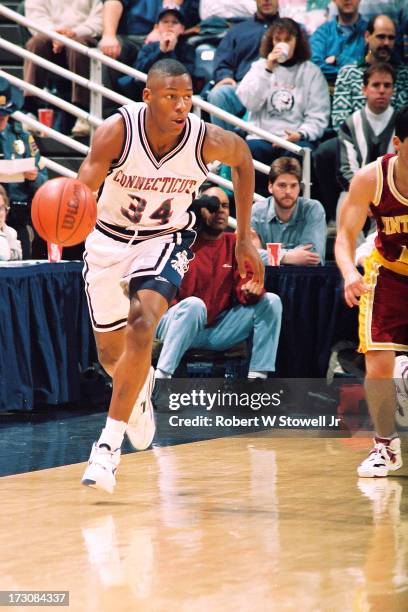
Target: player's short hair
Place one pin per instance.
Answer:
(167, 67)
(285, 165)
(378, 67)
(401, 123)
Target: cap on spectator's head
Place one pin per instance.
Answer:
(11, 98)
(171, 8)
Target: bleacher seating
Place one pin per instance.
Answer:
(13, 64)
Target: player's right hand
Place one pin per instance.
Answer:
(354, 288)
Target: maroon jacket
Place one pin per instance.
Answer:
(213, 276)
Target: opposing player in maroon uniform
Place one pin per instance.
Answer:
(382, 294)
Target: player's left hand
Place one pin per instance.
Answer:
(246, 253)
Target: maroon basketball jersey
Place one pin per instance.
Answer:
(390, 210)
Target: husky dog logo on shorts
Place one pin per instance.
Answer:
(180, 264)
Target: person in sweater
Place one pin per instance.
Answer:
(234, 56)
(380, 43)
(286, 94)
(225, 309)
(80, 20)
(368, 132)
(348, 97)
(298, 223)
(10, 247)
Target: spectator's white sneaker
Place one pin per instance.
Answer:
(141, 426)
(101, 469)
(382, 459)
(81, 127)
(401, 385)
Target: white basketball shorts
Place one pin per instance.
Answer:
(110, 263)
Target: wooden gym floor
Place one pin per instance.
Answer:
(240, 523)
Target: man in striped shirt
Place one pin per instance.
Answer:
(367, 133)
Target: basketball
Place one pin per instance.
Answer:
(63, 211)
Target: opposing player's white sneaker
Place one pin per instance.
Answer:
(141, 426)
(101, 469)
(385, 457)
(401, 385)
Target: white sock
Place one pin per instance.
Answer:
(162, 374)
(255, 374)
(113, 433)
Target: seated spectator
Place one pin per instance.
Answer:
(297, 223)
(127, 26)
(10, 247)
(310, 14)
(368, 132)
(225, 309)
(286, 94)
(348, 97)
(394, 9)
(80, 20)
(171, 44)
(227, 9)
(15, 143)
(233, 58)
(340, 40)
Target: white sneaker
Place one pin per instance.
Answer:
(141, 426)
(382, 459)
(401, 385)
(101, 469)
(81, 127)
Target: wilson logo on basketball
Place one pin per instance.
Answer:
(72, 209)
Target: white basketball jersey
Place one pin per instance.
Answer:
(157, 192)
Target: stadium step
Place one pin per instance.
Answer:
(11, 4)
(72, 163)
(11, 33)
(16, 71)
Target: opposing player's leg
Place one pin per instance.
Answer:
(380, 391)
(383, 325)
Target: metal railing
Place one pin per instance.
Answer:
(97, 90)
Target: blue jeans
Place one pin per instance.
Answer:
(183, 327)
(225, 98)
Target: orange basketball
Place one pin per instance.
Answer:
(64, 211)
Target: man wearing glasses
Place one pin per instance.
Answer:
(348, 92)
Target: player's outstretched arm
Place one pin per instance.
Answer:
(353, 215)
(230, 149)
(105, 148)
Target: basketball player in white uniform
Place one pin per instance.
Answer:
(148, 161)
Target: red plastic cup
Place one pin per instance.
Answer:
(54, 252)
(46, 116)
(274, 253)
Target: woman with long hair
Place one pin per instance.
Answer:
(286, 94)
